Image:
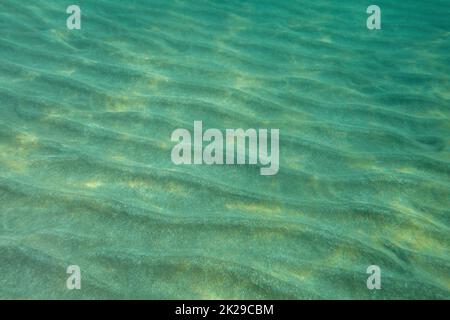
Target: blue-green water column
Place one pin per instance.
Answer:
(86, 176)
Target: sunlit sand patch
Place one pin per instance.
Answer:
(414, 237)
(243, 81)
(143, 185)
(155, 80)
(274, 184)
(29, 76)
(294, 164)
(436, 113)
(26, 142)
(313, 181)
(236, 23)
(402, 208)
(228, 123)
(204, 295)
(163, 145)
(368, 164)
(125, 101)
(13, 164)
(288, 120)
(259, 208)
(119, 106)
(59, 34)
(16, 158)
(301, 274)
(27, 139)
(175, 188)
(118, 157)
(406, 170)
(68, 72)
(138, 183)
(94, 184)
(340, 256)
(325, 39)
(296, 212)
(61, 38)
(50, 114)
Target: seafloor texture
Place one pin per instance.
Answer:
(86, 176)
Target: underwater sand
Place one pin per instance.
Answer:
(86, 176)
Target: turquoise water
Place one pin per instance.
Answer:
(86, 176)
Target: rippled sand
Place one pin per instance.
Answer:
(86, 176)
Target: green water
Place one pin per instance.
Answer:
(86, 176)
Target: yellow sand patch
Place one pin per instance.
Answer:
(157, 79)
(164, 145)
(13, 164)
(414, 236)
(301, 275)
(175, 188)
(261, 208)
(26, 138)
(93, 184)
(242, 81)
(139, 183)
(118, 157)
(405, 170)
